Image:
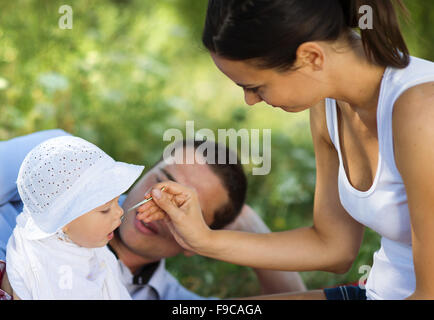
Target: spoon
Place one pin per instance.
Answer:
(142, 202)
(138, 205)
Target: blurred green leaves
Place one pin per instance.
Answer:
(129, 70)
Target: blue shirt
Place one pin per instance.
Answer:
(159, 284)
(12, 154)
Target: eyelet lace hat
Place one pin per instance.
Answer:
(64, 178)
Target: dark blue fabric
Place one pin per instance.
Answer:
(345, 293)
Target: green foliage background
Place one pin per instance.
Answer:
(129, 70)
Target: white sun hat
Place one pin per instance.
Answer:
(64, 178)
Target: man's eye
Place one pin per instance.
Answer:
(105, 211)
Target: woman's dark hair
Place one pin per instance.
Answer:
(270, 31)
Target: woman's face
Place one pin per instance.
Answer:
(95, 228)
(292, 91)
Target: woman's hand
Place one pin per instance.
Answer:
(179, 207)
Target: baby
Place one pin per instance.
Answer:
(70, 190)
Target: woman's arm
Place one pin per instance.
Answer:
(413, 132)
(272, 281)
(331, 244)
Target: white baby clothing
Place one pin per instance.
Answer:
(60, 180)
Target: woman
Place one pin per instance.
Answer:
(371, 112)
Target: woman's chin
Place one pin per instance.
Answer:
(294, 109)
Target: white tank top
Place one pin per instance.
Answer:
(383, 208)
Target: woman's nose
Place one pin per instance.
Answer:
(251, 98)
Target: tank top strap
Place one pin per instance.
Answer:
(330, 109)
(397, 81)
(332, 126)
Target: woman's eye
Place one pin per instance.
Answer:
(105, 211)
(158, 179)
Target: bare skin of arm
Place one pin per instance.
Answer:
(331, 244)
(413, 136)
(271, 281)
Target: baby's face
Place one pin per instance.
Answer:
(95, 228)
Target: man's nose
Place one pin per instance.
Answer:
(251, 98)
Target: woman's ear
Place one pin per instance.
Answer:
(310, 54)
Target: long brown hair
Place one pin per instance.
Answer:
(270, 31)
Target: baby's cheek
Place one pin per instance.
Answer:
(93, 237)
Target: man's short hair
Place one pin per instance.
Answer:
(230, 174)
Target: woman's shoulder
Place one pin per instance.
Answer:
(416, 104)
(413, 116)
(412, 99)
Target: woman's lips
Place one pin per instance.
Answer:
(149, 229)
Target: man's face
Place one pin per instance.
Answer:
(156, 242)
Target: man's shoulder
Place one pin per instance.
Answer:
(13, 153)
(163, 283)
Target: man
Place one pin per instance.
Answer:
(141, 248)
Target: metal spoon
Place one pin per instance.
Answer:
(142, 202)
(138, 205)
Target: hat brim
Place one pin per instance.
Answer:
(103, 188)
